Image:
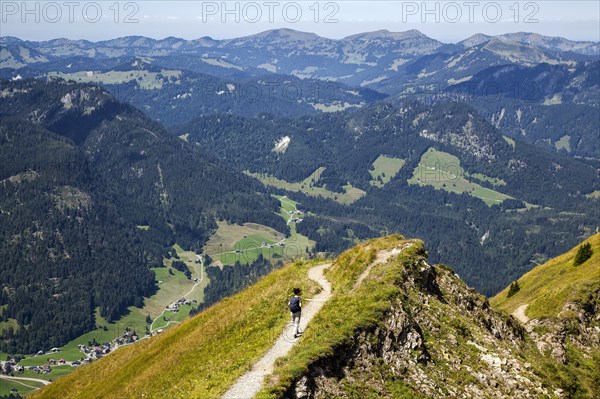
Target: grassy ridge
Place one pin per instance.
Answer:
(548, 287)
(201, 357)
(206, 354)
(348, 310)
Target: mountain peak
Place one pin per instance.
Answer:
(9, 40)
(386, 34)
(288, 34)
(475, 40)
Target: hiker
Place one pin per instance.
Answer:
(295, 305)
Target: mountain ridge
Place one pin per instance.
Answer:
(359, 59)
(396, 326)
(514, 36)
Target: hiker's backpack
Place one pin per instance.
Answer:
(295, 304)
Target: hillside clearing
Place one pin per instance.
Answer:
(297, 245)
(510, 141)
(386, 168)
(442, 171)
(564, 143)
(7, 384)
(307, 186)
(242, 243)
(145, 79)
(594, 195)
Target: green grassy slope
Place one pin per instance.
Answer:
(308, 186)
(443, 171)
(204, 355)
(563, 301)
(548, 287)
(349, 309)
(22, 387)
(386, 168)
(201, 357)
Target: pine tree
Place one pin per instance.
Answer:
(514, 288)
(583, 253)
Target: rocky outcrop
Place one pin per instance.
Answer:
(578, 324)
(439, 338)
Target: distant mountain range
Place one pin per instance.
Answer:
(537, 40)
(520, 81)
(361, 59)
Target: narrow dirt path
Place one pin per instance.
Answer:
(248, 385)
(382, 257)
(519, 313)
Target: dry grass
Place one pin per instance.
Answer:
(349, 309)
(201, 357)
(548, 287)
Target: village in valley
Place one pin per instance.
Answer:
(90, 352)
(45, 366)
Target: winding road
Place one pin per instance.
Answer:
(201, 277)
(17, 379)
(248, 385)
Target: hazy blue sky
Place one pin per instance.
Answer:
(444, 20)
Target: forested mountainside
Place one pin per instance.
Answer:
(576, 84)
(80, 172)
(453, 65)
(552, 106)
(566, 129)
(396, 326)
(543, 90)
(66, 248)
(480, 198)
(173, 95)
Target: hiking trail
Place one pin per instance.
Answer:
(249, 384)
(519, 313)
(382, 257)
